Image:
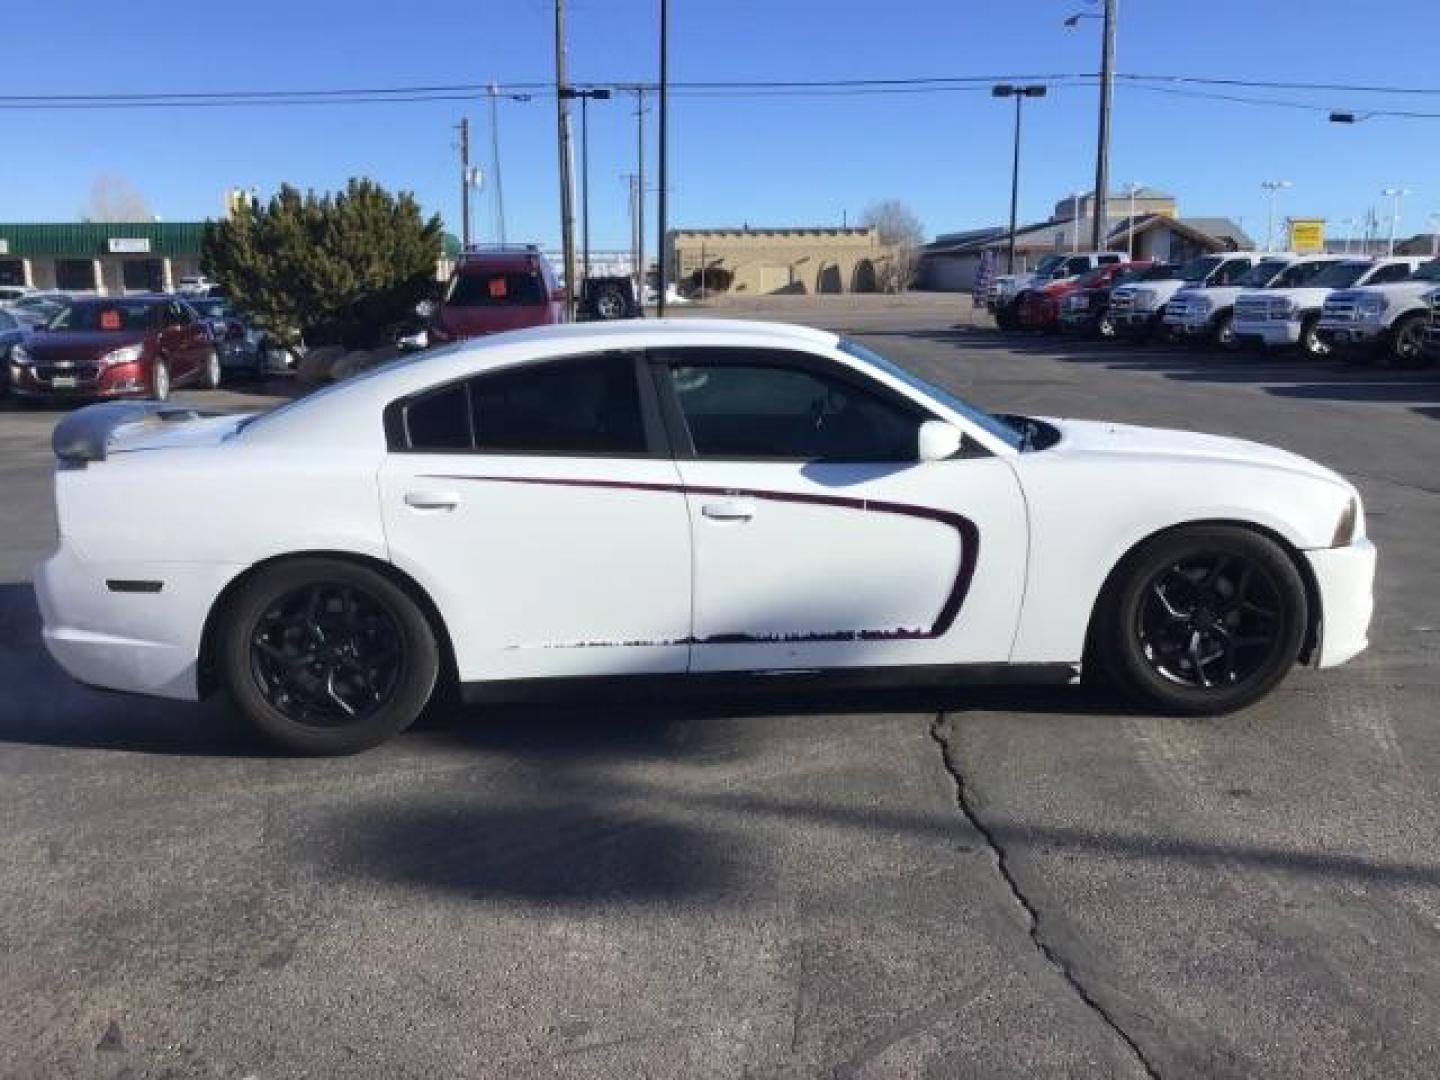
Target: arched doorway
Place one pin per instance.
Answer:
(829, 280)
(863, 280)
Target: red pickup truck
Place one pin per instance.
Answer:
(1039, 308)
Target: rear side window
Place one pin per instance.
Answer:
(588, 405)
(496, 288)
(1387, 274)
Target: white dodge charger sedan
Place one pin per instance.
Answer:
(694, 499)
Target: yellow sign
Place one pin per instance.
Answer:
(1307, 235)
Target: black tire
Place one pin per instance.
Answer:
(1006, 317)
(1159, 616)
(1312, 347)
(610, 303)
(210, 373)
(160, 380)
(368, 637)
(1407, 342)
(1222, 331)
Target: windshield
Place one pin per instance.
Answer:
(1092, 278)
(979, 417)
(1262, 273)
(104, 316)
(1199, 269)
(1340, 275)
(1049, 263)
(1429, 272)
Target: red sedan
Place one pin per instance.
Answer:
(133, 346)
(1039, 309)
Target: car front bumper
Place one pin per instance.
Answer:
(108, 626)
(1271, 334)
(1345, 577)
(1130, 323)
(1353, 335)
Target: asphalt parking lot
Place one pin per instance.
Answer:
(995, 884)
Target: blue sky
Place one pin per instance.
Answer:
(765, 160)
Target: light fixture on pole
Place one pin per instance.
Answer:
(599, 93)
(1273, 188)
(1075, 197)
(1019, 93)
(1107, 90)
(1398, 194)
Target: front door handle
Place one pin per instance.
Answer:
(729, 510)
(432, 500)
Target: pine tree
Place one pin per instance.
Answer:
(337, 268)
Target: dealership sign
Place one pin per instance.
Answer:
(120, 245)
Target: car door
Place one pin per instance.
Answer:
(819, 539)
(540, 507)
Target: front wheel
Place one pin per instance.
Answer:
(1407, 347)
(160, 381)
(1202, 620)
(1311, 343)
(1224, 331)
(327, 657)
(210, 373)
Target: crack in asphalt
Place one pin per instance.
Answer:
(1063, 966)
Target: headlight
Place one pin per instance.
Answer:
(1371, 307)
(127, 355)
(1349, 527)
(21, 356)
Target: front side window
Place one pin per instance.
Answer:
(1388, 274)
(588, 405)
(776, 412)
(1199, 269)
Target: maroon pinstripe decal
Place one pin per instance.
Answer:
(949, 610)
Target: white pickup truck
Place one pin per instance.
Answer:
(1137, 311)
(1005, 290)
(1384, 323)
(1282, 318)
(1207, 312)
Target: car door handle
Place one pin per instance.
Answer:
(729, 510)
(432, 500)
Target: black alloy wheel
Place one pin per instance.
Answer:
(1201, 620)
(326, 656)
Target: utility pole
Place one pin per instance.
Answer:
(464, 127)
(1102, 148)
(495, 165)
(567, 186)
(663, 212)
(640, 275)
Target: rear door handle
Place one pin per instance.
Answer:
(432, 500)
(729, 510)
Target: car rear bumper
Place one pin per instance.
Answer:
(109, 625)
(1345, 577)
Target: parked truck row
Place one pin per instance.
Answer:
(1357, 309)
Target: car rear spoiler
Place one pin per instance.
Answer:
(84, 435)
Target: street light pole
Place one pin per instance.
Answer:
(1019, 93)
(464, 127)
(600, 93)
(1397, 194)
(1132, 189)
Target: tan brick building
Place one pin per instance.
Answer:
(796, 260)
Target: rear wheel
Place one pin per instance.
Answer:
(327, 657)
(1223, 330)
(610, 303)
(1202, 620)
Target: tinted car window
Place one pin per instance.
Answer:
(772, 411)
(496, 288)
(1388, 274)
(589, 405)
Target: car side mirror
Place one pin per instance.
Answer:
(938, 440)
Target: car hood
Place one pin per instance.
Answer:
(74, 343)
(1098, 438)
(1396, 289)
